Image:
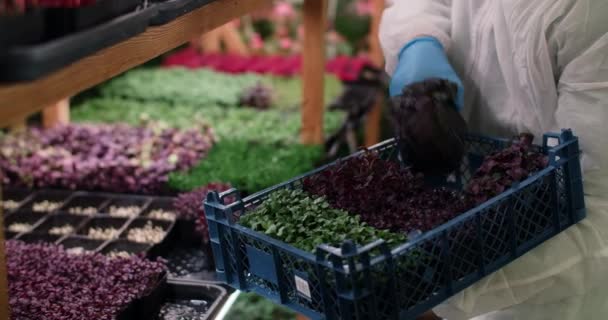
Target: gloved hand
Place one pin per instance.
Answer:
(429, 127)
(421, 59)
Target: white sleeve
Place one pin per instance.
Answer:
(404, 20)
(582, 73)
(573, 263)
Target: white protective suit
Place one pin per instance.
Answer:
(529, 66)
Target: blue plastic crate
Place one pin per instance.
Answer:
(374, 281)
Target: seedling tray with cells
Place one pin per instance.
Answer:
(159, 234)
(125, 248)
(10, 235)
(80, 244)
(125, 207)
(60, 225)
(147, 307)
(375, 280)
(189, 257)
(191, 263)
(33, 237)
(160, 209)
(147, 230)
(86, 205)
(13, 198)
(103, 228)
(23, 221)
(182, 300)
(46, 201)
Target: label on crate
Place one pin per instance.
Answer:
(303, 287)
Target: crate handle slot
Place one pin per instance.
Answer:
(230, 192)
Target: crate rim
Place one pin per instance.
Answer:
(374, 147)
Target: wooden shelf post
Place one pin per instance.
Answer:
(56, 114)
(232, 40)
(18, 100)
(18, 125)
(209, 42)
(313, 70)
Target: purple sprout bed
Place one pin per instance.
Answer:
(52, 284)
(115, 158)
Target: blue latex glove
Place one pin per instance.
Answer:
(421, 59)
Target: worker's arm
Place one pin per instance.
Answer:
(415, 36)
(580, 43)
(577, 43)
(402, 21)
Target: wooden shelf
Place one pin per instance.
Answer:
(17, 101)
(22, 99)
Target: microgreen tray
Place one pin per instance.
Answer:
(188, 257)
(98, 215)
(186, 300)
(375, 281)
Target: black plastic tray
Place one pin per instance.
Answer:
(25, 63)
(29, 217)
(18, 195)
(8, 235)
(159, 204)
(102, 202)
(34, 237)
(190, 259)
(50, 195)
(103, 222)
(125, 201)
(192, 263)
(186, 233)
(84, 201)
(60, 220)
(134, 248)
(156, 249)
(61, 21)
(188, 294)
(173, 9)
(147, 307)
(30, 28)
(85, 243)
(181, 242)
